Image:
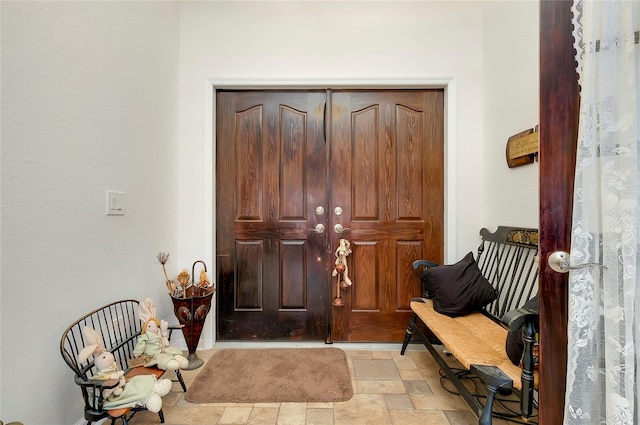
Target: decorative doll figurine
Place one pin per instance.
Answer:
(154, 341)
(141, 390)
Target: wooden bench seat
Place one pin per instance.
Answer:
(507, 258)
(471, 339)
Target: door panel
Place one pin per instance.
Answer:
(271, 176)
(387, 171)
(559, 107)
(378, 156)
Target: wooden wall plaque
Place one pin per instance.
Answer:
(522, 148)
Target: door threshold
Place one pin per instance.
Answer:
(383, 346)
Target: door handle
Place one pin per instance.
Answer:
(324, 123)
(318, 229)
(560, 262)
(339, 229)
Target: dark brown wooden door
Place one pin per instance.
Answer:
(271, 173)
(376, 155)
(559, 103)
(387, 177)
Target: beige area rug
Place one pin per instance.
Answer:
(273, 375)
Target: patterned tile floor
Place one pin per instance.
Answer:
(389, 389)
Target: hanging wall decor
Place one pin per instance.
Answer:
(522, 148)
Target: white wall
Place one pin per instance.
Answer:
(474, 45)
(511, 105)
(103, 96)
(89, 104)
(328, 41)
(274, 43)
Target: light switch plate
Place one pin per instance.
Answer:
(115, 203)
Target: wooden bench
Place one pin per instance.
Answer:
(508, 259)
(119, 326)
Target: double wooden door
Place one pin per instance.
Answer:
(296, 171)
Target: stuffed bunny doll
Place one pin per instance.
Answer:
(140, 390)
(105, 362)
(154, 340)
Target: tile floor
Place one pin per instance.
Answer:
(389, 389)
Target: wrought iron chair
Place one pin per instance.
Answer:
(119, 326)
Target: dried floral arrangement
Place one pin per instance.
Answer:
(183, 286)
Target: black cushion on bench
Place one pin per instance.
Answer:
(458, 289)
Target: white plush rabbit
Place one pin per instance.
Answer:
(105, 361)
(140, 390)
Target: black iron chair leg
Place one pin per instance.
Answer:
(486, 417)
(181, 381)
(408, 335)
(410, 327)
(494, 379)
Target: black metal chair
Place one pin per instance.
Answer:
(119, 326)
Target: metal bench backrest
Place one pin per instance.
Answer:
(119, 326)
(508, 258)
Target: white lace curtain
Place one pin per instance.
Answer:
(604, 303)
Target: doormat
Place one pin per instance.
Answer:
(273, 375)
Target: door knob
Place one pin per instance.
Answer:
(339, 229)
(319, 228)
(560, 262)
(320, 210)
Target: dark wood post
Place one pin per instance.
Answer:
(559, 107)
